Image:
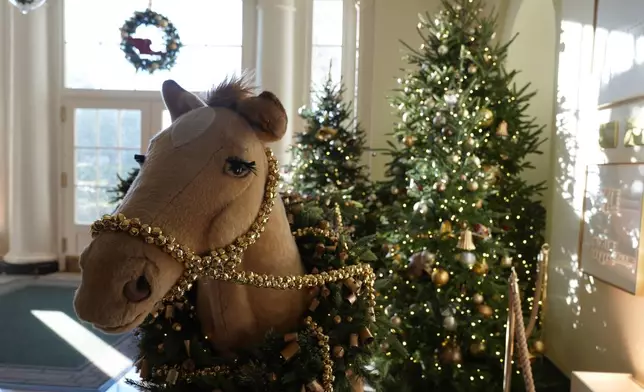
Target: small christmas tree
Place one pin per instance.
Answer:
(124, 184)
(459, 213)
(326, 157)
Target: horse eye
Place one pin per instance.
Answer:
(139, 158)
(238, 167)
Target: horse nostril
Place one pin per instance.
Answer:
(137, 290)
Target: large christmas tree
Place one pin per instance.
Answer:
(326, 158)
(459, 213)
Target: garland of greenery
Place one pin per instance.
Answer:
(331, 350)
(163, 60)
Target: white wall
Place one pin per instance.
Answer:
(4, 131)
(384, 24)
(589, 325)
(533, 53)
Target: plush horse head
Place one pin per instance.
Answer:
(207, 182)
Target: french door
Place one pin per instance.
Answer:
(100, 139)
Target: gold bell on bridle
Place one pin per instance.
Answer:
(465, 241)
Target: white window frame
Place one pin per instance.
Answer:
(72, 231)
(150, 102)
(349, 47)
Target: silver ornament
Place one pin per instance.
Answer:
(468, 258)
(451, 98)
(442, 50)
(449, 323)
(421, 207)
(439, 120)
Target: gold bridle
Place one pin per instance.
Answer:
(221, 263)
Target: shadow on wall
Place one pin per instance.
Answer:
(590, 325)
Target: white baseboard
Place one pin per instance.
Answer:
(603, 382)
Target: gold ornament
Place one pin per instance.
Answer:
(440, 277)
(473, 186)
(481, 268)
(488, 117)
(479, 204)
(289, 351)
(472, 68)
(477, 298)
(451, 354)
(465, 241)
(486, 310)
(365, 336)
(506, 261)
(477, 348)
(502, 129)
(409, 140)
(353, 340)
(396, 321)
(172, 376)
(446, 228)
(539, 347)
(338, 351)
(326, 134)
(492, 174)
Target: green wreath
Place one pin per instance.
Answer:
(174, 356)
(134, 47)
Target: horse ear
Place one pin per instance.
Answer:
(177, 100)
(266, 114)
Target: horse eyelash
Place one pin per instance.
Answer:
(251, 166)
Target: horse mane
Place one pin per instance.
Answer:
(230, 91)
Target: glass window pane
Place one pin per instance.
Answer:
(106, 141)
(86, 174)
(327, 22)
(322, 58)
(130, 129)
(166, 121)
(217, 63)
(103, 202)
(108, 167)
(108, 128)
(86, 131)
(205, 22)
(85, 206)
(94, 60)
(126, 162)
